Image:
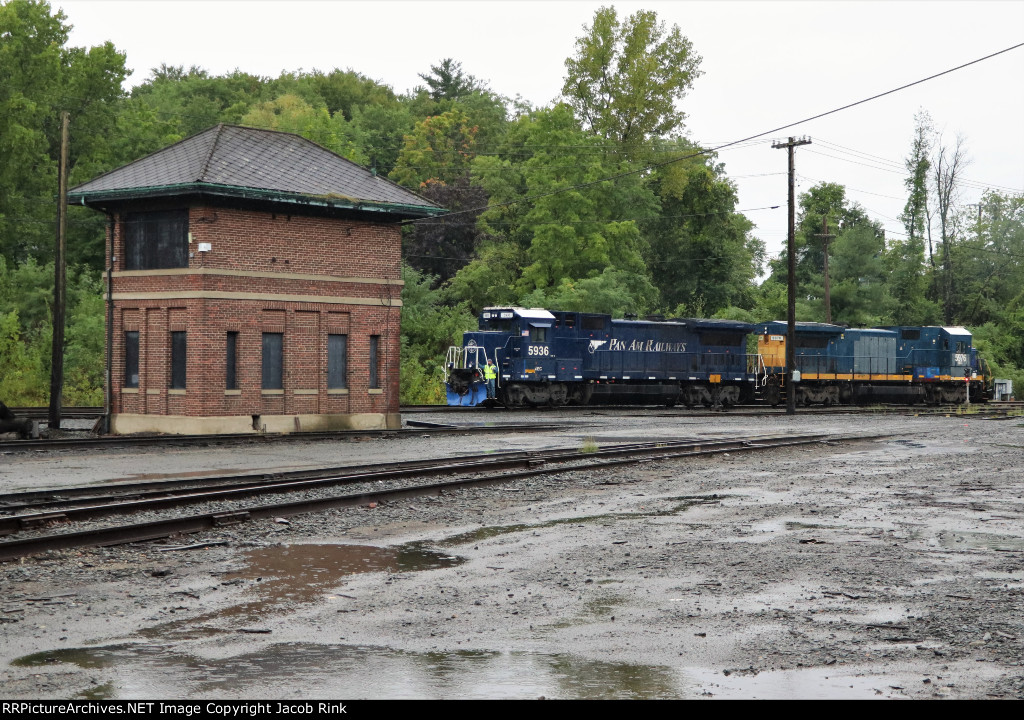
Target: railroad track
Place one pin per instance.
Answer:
(461, 473)
(67, 413)
(992, 408)
(114, 441)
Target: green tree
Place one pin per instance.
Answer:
(447, 81)
(915, 213)
(989, 261)
(193, 100)
(441, 246)
(857, 262)
(346, 90)
(439, 148)
(703, 254)
(378, 130)
(39, 78)
(26, 294)
(429, 326)
(290, 113)
(860, 295)
(626, 78)
(490, 277)
(548, 195)
(905, 259)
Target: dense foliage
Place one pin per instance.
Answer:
(597, 202)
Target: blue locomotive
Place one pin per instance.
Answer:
(556, 358)
(836, 364)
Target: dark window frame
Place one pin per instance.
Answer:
(538, 333)
(337, 361)
(156, 240)
(272, 361)
(374, 362)
(231, 360)
(179, 360)
(131, 359)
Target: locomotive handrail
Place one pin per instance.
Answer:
(457, 358)
(757, 368)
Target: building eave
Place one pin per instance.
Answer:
(330, 202)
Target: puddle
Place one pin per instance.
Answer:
(808, 526)
(354, 672)
(980, 541)
(289, 671)
(682, 503)
(281, 578)
(804, 684)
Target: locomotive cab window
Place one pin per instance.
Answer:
(499, 325)
(538, 333)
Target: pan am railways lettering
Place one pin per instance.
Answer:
(646, 346)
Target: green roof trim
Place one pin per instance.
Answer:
(330, 201)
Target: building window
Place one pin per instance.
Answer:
(231, 365)
(178, 356)
(156, 240)
(374, 354)
(131, 359)
(273, 361)
(337, 361)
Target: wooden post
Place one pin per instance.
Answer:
(791, 294)
(59, 282)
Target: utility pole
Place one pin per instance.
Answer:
(824, 235)
(59, 281)
(791, 293)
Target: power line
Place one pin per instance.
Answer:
(655, 166)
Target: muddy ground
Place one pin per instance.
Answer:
(881, 568)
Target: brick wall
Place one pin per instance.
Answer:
(304, 277)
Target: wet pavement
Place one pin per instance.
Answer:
(886, 568)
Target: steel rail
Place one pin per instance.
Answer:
(14, 523)
(132, 440)
(70, 497)
(14, 549)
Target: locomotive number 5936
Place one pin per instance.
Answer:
(538, 350)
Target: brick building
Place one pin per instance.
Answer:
(253, 285)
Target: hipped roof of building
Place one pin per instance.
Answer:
(252, 164)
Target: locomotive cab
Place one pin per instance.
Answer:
(519, 342)
(942, 362)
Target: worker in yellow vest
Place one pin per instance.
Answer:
(490, 375)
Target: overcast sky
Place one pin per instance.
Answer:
(765, 65)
